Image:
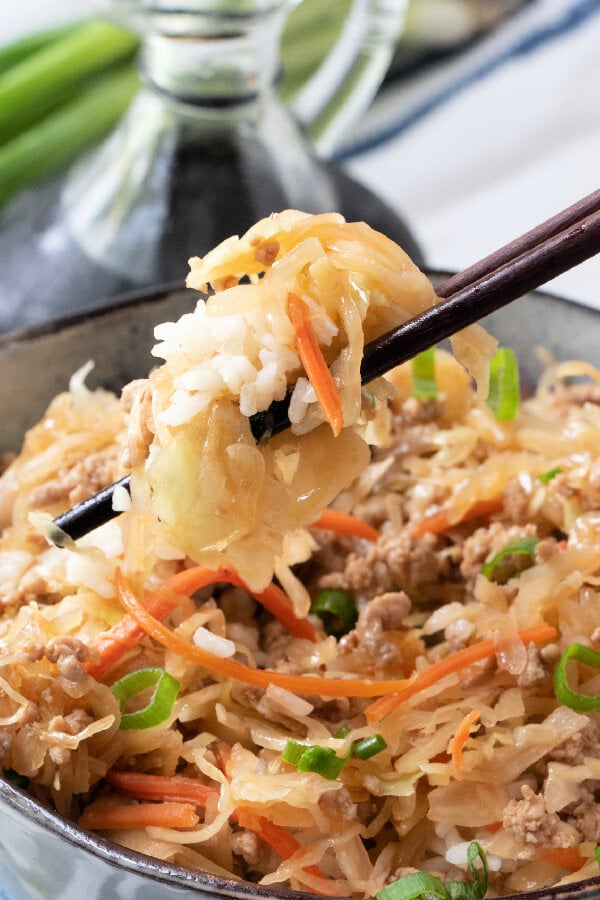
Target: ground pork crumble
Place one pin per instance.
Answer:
(400, 583)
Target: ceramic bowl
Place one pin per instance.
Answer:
(41, 854)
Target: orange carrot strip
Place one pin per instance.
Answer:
(344, 523)
(324, 687)
(127, 633)
(568, 858)
(144, 786)
(274, 835)
(105, 816)
(282, 842)
(314, 363)
(272, 598)
(440, 522)
(460, 738)
(456, 662)
(230, 668)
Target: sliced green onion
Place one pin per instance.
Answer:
(511, 561)
(547, 477)
(416, 886)
(292, 752)
(161, 703)
(336, 609)
(369, 746)
(312, 758)
(20, 781)
(567, 696)
(424, 384)
(342, 732)
(323, 761)
(597, 853)
(423, 886)
(477, 889)
(503, 397)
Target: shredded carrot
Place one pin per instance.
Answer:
(314, 363)
(568, 858)
(272, 598)
(277, 837)
(440, 522)
(103, 816)
(399, 689)
(282, 842)
(144, 786)
(127, 633)
(113, 644)
(456, 662)
(344, 523)
(458, 743)
(230, 668)
(185, 791)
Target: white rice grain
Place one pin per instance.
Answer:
(213, 643)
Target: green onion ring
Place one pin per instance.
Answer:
(369, 746)
(336, 609)
(566, 695)
(161, 703)
(493, 569)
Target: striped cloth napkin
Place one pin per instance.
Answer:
(485, 146)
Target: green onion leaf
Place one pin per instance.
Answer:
(424, 384)
(342, 732)
(597, 854)
(416, 886)
(503, 397)
(20, 781)
(292, 752)
(477, 889)
(511, 561)
(369, 746)
(423, 886)
(312, 758)
(567, 696)
(336, 609)
(323, 761)
(546, 477)
(161, 703)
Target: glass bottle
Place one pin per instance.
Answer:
(204, 151)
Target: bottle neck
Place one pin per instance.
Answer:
(219, 61)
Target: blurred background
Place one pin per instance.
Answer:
(473, 121)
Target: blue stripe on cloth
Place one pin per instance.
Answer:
(573, 18)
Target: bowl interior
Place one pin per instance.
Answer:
(35, 365)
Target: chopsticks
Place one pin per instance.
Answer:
(553, 247)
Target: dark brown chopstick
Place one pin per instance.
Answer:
(523, 265)
(521, 245)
